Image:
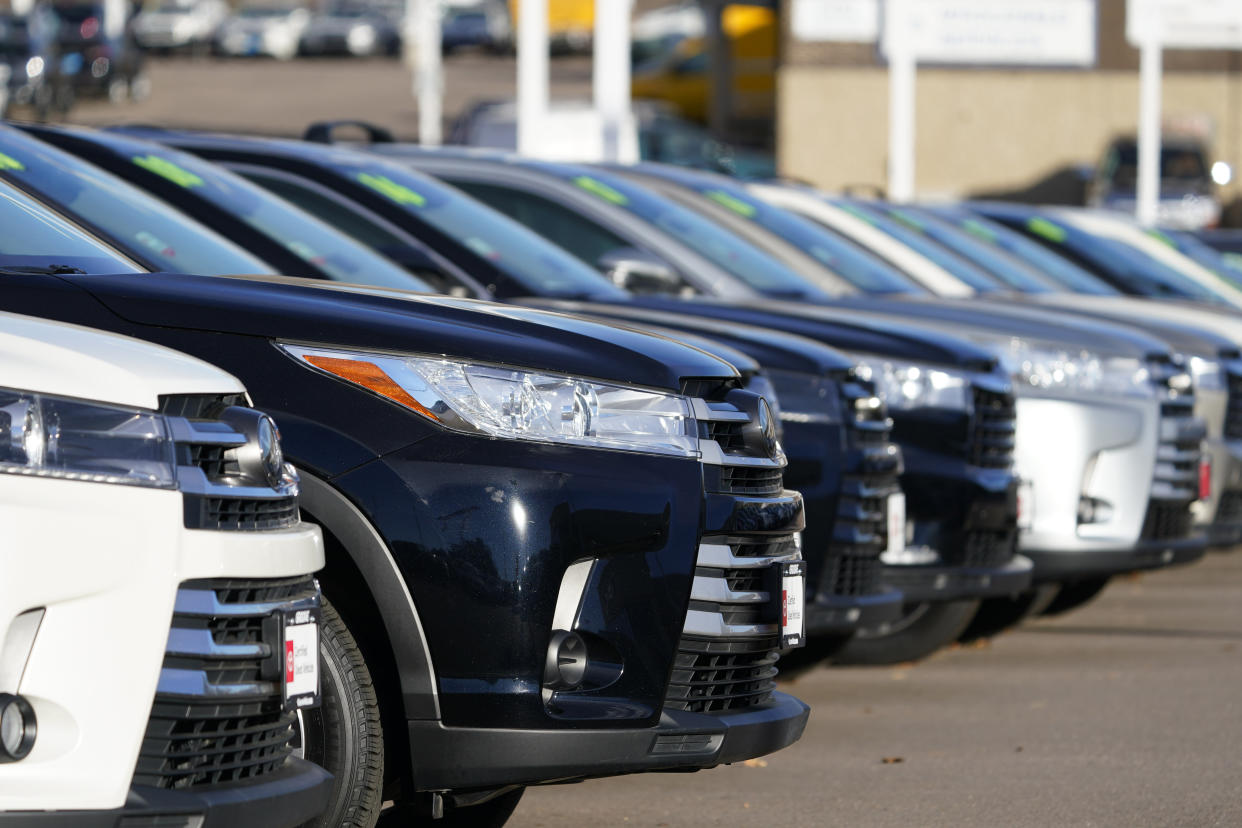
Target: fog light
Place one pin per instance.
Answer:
(1094, 510)
(17, 728)
(567, 661)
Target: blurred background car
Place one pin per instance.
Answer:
(98, 51)
(484, 24)
(352, 30)
(169, 25)
(1188, 198)
(271, 30)
(30, 66)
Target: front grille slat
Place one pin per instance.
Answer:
(995, 427)
(196, 741)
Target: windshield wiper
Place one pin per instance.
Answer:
(43, 270)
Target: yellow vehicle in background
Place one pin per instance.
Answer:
(571, 23)
(680, 78)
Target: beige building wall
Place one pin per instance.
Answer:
(982, 130)
(987, 128)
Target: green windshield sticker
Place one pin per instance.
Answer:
(742, 208)
(8, 162)
(167, 169)
(856, 213)
(601, 189)
(1161, 237)
(399, 193)
(1051, 231)
(979, 230)
(908, 219)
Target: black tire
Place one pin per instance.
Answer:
(493, 813)
(1074, 595)
(818, 650)
(922, 629)
(996, 615)
(343, 734)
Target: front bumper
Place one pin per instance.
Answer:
(920, 583)
(291, 796)
(1071, 565)
(460, 759)
(830, 614)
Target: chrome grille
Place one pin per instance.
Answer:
(1175, 481)
(218, 715)
(994, 427)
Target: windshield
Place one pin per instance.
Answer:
(845, 259)
(1226, 267)
(702, 235)
(31, 236)
(141, 224)
(1057, 268)
(520, 253)
(1121, 264)
(957, 266)
(1004, 268)
(326, 249)
(1180, 164)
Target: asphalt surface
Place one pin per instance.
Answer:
(1127, 712)
(280, 98)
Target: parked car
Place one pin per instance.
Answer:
(601, 549)
(483, 25)
(659, 135)
(841, 460)
(169, 25)
(274, 31)
(1188, 198)
(31, 66)
(400, 199)
(98, 51)
(156, 574)
(349, 30)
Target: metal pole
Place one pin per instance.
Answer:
(719, 68)
(611, 73)
(1151, 60)
(532, 73)
(901, 101)
(429, 74)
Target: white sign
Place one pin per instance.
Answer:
(1014, 32)
(840, 21)
(1186, 24)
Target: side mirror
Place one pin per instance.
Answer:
(640, 272)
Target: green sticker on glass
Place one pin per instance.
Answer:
(8, 162)
(908, 219)
(856, 213)
(742, 208)
(167, 169)
(1051, 231)
(601, 189)
(1161, 237)
(979, 230)
(399, 193)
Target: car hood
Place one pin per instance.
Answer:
(276, 307)
(839, 328)
(1002, 317)
(771, 349)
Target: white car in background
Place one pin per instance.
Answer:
(179, 24)
(159, 616)
(275, 31)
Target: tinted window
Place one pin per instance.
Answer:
(702, 235)
(559, 225)
(1058, 268)
(33, 236)
(135, 220)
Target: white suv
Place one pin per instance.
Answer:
(158, 611)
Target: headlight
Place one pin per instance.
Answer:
(516, 404)
(48, 436)
(803, 398)
(907, 385)
(1208, 374)
(1052, 367)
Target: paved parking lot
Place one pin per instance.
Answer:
(1126, 713)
